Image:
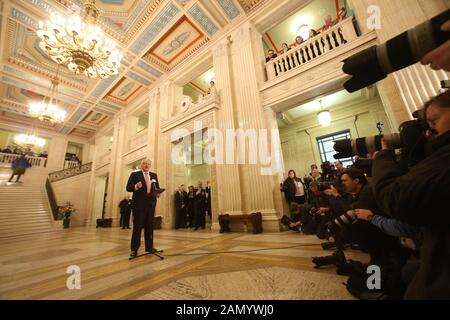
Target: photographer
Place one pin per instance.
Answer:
(419, 197)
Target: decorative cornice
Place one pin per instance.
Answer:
(39, 70)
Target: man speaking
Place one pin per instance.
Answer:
(143, 184)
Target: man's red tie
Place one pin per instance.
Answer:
(147, 182)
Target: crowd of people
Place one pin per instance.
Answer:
(305, 56)
(192, 206)
(397, 216)
(338, 205)
(25, 151)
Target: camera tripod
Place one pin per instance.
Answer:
(154, 252)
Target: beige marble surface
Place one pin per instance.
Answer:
(198, 265)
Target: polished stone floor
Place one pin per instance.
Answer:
(197, 265)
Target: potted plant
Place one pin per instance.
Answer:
(67, 211)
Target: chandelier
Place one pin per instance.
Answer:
(29, 140)
(47, 110)
(80, 44)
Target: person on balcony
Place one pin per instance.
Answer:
(342, 14)
(19, 166)
(271, 55)
(286, 61)
(328, 23)
(299, 55)
(7, 150)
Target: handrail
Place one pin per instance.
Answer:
(51, 199)
(68, 173)
(34, 161)
(311, 49)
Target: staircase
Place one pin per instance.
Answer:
(23, 211)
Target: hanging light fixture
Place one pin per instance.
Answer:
(47, 109)
(80, 44)
(29, 140)
(324, 116)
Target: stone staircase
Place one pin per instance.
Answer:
(24, 210)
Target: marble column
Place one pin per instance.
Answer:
(115, 189)
(256, 188)
(161, 150)
(406, 90)
(227, 175)
(56, 153)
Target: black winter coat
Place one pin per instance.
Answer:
(421, 197)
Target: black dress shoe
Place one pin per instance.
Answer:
(133, 254)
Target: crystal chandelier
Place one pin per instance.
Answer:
(29, 140)
(47, 110)
(80, 44)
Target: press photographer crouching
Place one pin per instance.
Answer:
(420, 197)
(385, 250)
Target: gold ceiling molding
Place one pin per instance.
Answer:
(249, 5)
(41, 71)
(137, 26)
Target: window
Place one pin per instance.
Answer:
(326, 149)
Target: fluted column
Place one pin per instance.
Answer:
(256, 188)
(116, 189)
(227, 175)
(162, 162)
(153, 126)
(408, 89)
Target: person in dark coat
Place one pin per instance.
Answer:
(294, 189)
(125, 212)
(19, 167)
(190, 206)
(143, 183)
(199, 207)
(181, 207)
(420, 197)
(208, 198)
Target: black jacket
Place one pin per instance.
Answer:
(140, 198)
(420, 197)
(289, 189)
(181, 199)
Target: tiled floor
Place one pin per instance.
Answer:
(197, 265)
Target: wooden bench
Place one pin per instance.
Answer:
(254, 218)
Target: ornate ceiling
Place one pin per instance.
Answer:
(155, 36)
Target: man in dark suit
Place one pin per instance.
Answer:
(199, 207)
(125, 212)
(143, 184)
(181, 207)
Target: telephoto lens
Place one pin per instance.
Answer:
(347, 218)
(375, 63)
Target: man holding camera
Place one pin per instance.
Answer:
(420, 197)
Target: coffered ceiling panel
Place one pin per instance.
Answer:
(154, 36)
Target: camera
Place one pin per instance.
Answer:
(410, 140)
(328, 171)
(348, 217)
(375, 63)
